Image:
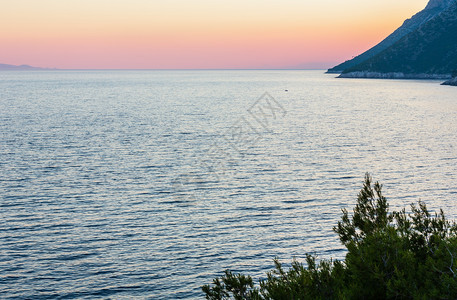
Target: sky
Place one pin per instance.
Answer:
(195, 34)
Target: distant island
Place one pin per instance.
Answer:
(424, 47)
(5, 67)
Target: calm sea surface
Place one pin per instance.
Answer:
(147, 184)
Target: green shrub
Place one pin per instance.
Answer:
(390, 255)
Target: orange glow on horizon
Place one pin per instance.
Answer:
(200, 34)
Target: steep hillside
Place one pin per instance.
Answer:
(433, 8)
(428, 52)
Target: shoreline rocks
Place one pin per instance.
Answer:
(393, 75)
(452, 82)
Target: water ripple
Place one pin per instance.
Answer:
(107, 192)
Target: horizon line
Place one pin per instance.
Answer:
(197, 69)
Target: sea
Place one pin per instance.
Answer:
(149, 184)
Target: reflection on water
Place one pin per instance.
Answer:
(149, 183)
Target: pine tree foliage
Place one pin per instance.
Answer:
(390, 255)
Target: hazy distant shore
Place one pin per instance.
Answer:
(6, 67)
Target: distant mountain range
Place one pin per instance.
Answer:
(425, 46)
(5, 67)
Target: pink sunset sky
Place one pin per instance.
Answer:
(199, 34)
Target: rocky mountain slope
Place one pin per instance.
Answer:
(452, 82)
(433, 9)
(428, 52)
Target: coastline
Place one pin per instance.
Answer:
(393, 75)
(333, 72)
(452, 82)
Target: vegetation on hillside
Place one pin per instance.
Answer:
(390, 255)
(408, 26)
(431, 49)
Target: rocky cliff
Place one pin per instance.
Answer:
(433, 8)
(430, 50)
(452, 82)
